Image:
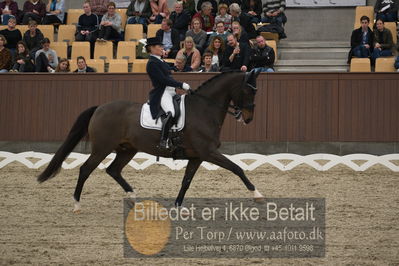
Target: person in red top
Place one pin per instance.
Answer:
(206, 17)
(34, 10)
(99, 7)
(8, 8)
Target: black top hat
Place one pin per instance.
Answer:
(153, 41)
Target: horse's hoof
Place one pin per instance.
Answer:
(77, 211)
(258, 197)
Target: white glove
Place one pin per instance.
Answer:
(186, 86)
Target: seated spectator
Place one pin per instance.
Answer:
(46, 59)
(33, 10)
(63, 66)
(216, 49)
(191, 53)
(361, 40)
(397, 64)
(387, 10)
(244, 20)
(223, 17)
(138, 12)
(8, 8)
(180, 64)
(207, 65)
(383, 43)
(241, 35)
(87, 28)
(160, 10)
(205, 16)
(199, 36)
(5, 55)
(33, 38)
(236, 55)
(219, 32)
(181, 19)
(22, 62)
(189, 6)
(274, 12)
(110, 26)
(99, 7)
(169, 38)
(88, 24)
(263, 56)
(12, 34)
(253, 8)
(212, 2)
(55, 12)
(82, 66)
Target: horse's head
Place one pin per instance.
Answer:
(244, 100)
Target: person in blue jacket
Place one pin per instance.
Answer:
(161, 96)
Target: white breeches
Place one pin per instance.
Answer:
(167, 100)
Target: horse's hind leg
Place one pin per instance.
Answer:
(85, 170)
(191, 169)
(121, 160)
(219, 159)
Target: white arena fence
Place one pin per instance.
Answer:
(247, 161)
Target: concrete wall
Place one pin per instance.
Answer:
(318, 24)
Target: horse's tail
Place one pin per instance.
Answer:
(78, 131)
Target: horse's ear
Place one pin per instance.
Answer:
(250, 77)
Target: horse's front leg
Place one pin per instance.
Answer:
(219, 159)
(191, 169)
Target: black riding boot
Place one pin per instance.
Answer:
(166, 125)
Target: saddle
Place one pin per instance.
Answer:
(146, 120)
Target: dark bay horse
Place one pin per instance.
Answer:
(116, 127)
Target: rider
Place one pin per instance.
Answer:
(161, 96)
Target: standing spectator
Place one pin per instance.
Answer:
(12, 34)
(362, 40)
(205, 16)
(236, 55)
(219, 32)
(33, 10)
(169, 38)
(5, 56)
(191, 53)
(8, 8)
(159, 10)
(263, 56)
(241, 35)
(213, 3)
(82, 66)
(23, 62)
(253, 8)
(199, 36)
(110, 26)
(55, 12)
(223, 17)
(181, 19)
(33, 38)
(180, 64)
(216, 48)
(138, 12)
(207, 64)
(244, 19)
(99, 7)
(189, 5)
(63, 66)
(383, 43)
(46, 58)
(274, 12)
(387, 10)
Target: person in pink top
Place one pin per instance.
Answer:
(159, 10)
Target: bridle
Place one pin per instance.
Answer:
(237, 108)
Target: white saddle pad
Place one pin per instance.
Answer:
(148, 122)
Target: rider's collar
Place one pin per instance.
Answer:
(157, 56)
